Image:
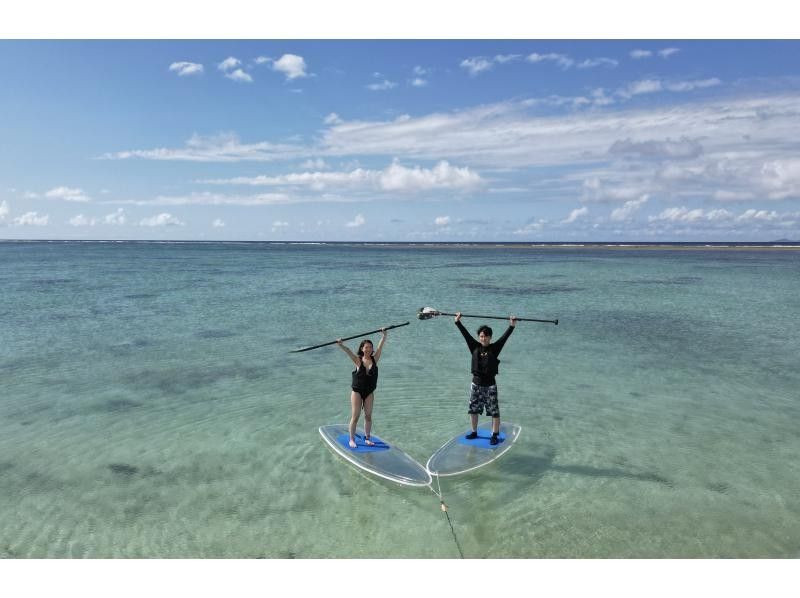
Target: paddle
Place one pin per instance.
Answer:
(426, 313)
(349, 338)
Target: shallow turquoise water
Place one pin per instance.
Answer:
(150, 406)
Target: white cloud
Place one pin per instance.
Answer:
(505, 58)
(229, 64)
(594, 62)
(667, 52)
(31, 219)
(476, 65)
(692, 85)
(561, 60)
(357, 221)
(683, 148)
(81, 220)
(627, 211)
(185, 69)
(240, 76)
(163, 219)
(681, 214)
(4, 210)
(263, 60)
(575, 214)
(382, 86)
(394, 178)
(291, 65)
(332, 119)
(640, 87)
(225, 147)
(116, 218)
(67, 194)
(218, 223)
(638, 54)
(399, 178)
(318, 164)
(279, 224)
(420, 71)
(534, 225)
(213, 199)
(442, 220)
(418, 82)
(762, 215)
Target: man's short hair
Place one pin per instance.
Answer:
(485, 329)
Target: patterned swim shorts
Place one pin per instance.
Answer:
(483, 397)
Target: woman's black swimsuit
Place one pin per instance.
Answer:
(365, 381)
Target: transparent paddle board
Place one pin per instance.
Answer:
(384, 459)
(460, 455)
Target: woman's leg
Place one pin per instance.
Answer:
(355, 411)
(368, 418)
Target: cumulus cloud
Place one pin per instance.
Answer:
(291, 65)
(163, 219)
(185, 69)
(667, 52)
(231, 67)
(442, 220)
(67, 194)
(240, 76)
(229, 64)
(419, 82)
(575, 214)
(4, 210)
(476, 65)
(357, 221)
(638, 54)
(627, 211)
(394, 178)
(31, 219)
(81, 220)
(115, 218)
(332, 119)
(218, 223)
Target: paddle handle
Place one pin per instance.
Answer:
(444, 313)
(350, 337)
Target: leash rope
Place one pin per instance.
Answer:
(447, 514)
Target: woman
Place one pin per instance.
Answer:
(365, 380)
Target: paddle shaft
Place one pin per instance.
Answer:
(349, 338)
(442, 313)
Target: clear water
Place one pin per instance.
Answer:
(149, 405)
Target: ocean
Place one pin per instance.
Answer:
(151, 407)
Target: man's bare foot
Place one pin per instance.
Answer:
(352, 443)
(368, 442)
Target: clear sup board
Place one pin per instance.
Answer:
(384, 459)
(460, 455)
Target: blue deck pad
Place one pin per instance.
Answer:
(361, 446)
(482, 441)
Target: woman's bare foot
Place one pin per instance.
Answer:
(352, 443)
(368, 442)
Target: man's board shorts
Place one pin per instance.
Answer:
(483, 397)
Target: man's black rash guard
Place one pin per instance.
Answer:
(484, 360)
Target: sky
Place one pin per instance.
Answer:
(519, 140)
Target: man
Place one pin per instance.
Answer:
(483, 390)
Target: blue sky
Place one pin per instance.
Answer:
(483, 140)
